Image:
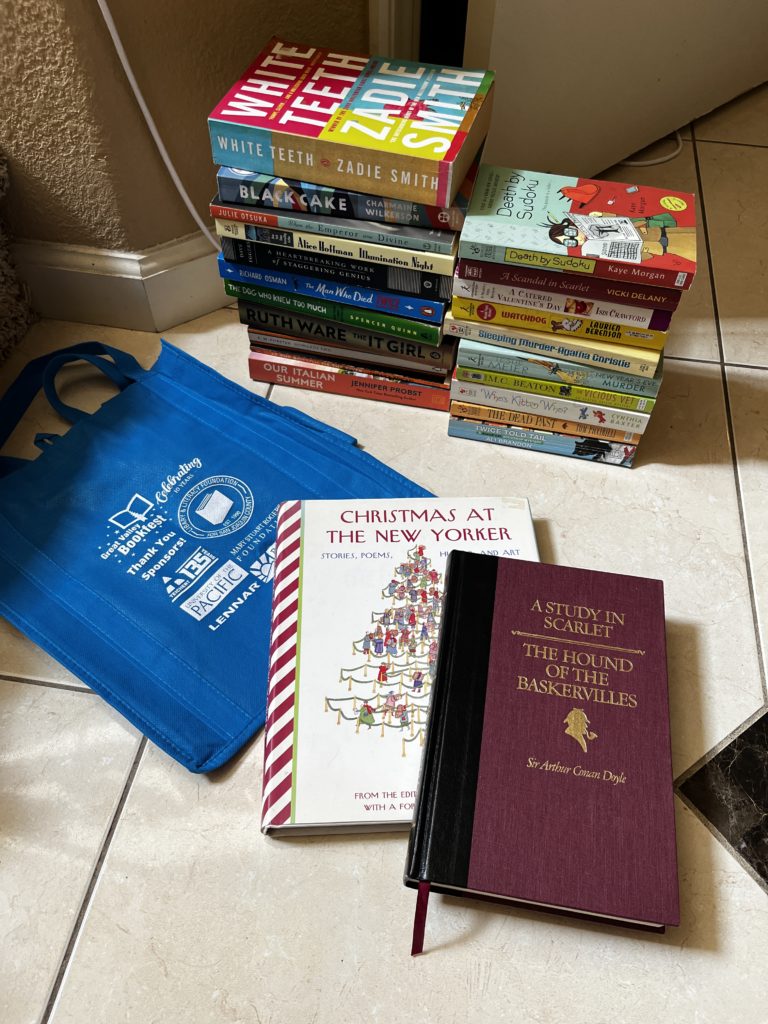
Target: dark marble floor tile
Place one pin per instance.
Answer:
(731, 791)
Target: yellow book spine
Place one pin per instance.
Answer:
(562, 324)
(470, 411)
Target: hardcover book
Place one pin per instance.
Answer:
(269, 193)
(389, 127)
(357, 607)
(547, 777)
(603, 229)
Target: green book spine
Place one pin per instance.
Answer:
(397, 326)
(555, 389)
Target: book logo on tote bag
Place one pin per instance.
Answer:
(136, 511)
(216, 507)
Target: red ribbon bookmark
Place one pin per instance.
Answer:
(420, 919)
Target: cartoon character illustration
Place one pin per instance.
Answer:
(389, 704)
(401, 713)
(382, 673)
(367, 640)
(366, 716)
(417, 681)
(578, 306)
(577, 725)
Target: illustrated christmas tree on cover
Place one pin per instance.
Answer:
(388, 691)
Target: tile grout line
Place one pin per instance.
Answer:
(724, 142)
(729, 424)
(95, 875)
(5, 678)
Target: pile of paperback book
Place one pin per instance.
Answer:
(344, 181)
(563, 296)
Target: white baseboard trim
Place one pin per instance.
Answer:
(152, 290)
(394, 28)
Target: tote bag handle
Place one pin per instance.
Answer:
(41, 373)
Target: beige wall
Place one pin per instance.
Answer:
(84, 168)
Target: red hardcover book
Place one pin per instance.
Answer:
(570, 284)
(342, 379)
(546, 777)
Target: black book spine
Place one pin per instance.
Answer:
(335, 268)
(440, 842)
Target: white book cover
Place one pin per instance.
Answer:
(358, 589)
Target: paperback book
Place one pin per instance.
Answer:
(391, 127)
(357, 273)
(513, 418)
(583, 446)
(596, 228)
(383, 323)
(563, 305)
(332, 378)
(357, 606)
(244, 218)
(483, 356)
(580, 286)
(249, 188)
(515, 317)
(398, 355)
(609, 355)
(595, 396)
(547, 774)
(350, 249)
(328, 290)
(543, 405)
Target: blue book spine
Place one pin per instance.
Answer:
(364, 298)
(482, 356)
(242, 146)
(588, 449)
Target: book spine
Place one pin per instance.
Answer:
(587, 449)
(344, 248)
(563, 304)
(579, 286)
(242, 222)
(541, 320)
(276, 800)
(335, 291)
(426, 180)
(330, 203)
(482, 356)
(315, 376)
(486, 414)
(587, 265)
(561, 408)
(353, 272)
(624, 359)
(346, 353)
(381, 323)
(594, 396)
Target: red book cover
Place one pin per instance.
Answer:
(571, 284)
(549, 780)
(314, 375)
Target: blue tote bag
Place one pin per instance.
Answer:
(137, 548)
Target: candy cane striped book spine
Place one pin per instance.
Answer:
(357, 604)
(281, 692)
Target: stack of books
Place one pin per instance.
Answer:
(563, 297)
(344, 181)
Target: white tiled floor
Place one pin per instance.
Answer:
(132, 890)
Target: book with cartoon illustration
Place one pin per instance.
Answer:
(357, 607)
(387, 127)
(605, 229)
(547, 770)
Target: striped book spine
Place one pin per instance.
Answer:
(279, 728)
